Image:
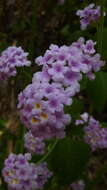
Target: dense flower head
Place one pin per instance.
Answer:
(34, 144)
(95, 135)
(41, 103)
(67, 64)
(11, 58)
(19, 174)
(88, 15)
(41, 108)
(79, 185)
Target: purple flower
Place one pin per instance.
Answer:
(89, 47)
(79, 185)
(88, 15)
(83, 119)
(71, 77)
(28, 177)
(44, 99)
(95, 135)
(34, 144)
(55, 104)
(69, 62)
(57, 71)
(75, 64)
(11, 58)
(38, 105)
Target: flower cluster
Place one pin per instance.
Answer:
(66, 64)
(41, 104)
(79, 185)
(41, 108)
(34, 144)
(21, 175)
(11, 58)
(95, 135)
(88, 14)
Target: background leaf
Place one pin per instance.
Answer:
(69, 159)
(97, 92)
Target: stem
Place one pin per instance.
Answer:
(19, 146)
(100, 28)
(22, 141)
(49, 152)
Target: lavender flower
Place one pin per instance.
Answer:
(34, 145)
(19, 174)
(95, 135)
(79, 185)
(88, 15)
(44, 121)
(41, 103)
(66, 64)
(83, 119)
(11, 58)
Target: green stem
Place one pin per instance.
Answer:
(22, 141)
(49, 152)
(100, 28)
(19, 145)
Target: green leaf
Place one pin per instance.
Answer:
(75, 109)
(69, 159)
(2, 123)
(77, 131)
(104, 124)
(97, 91)
(104, 43)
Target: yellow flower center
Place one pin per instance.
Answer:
(14, 181)
(32, 139)
(37, 106)
(44, 116)
(34, 120)
(11, 173)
